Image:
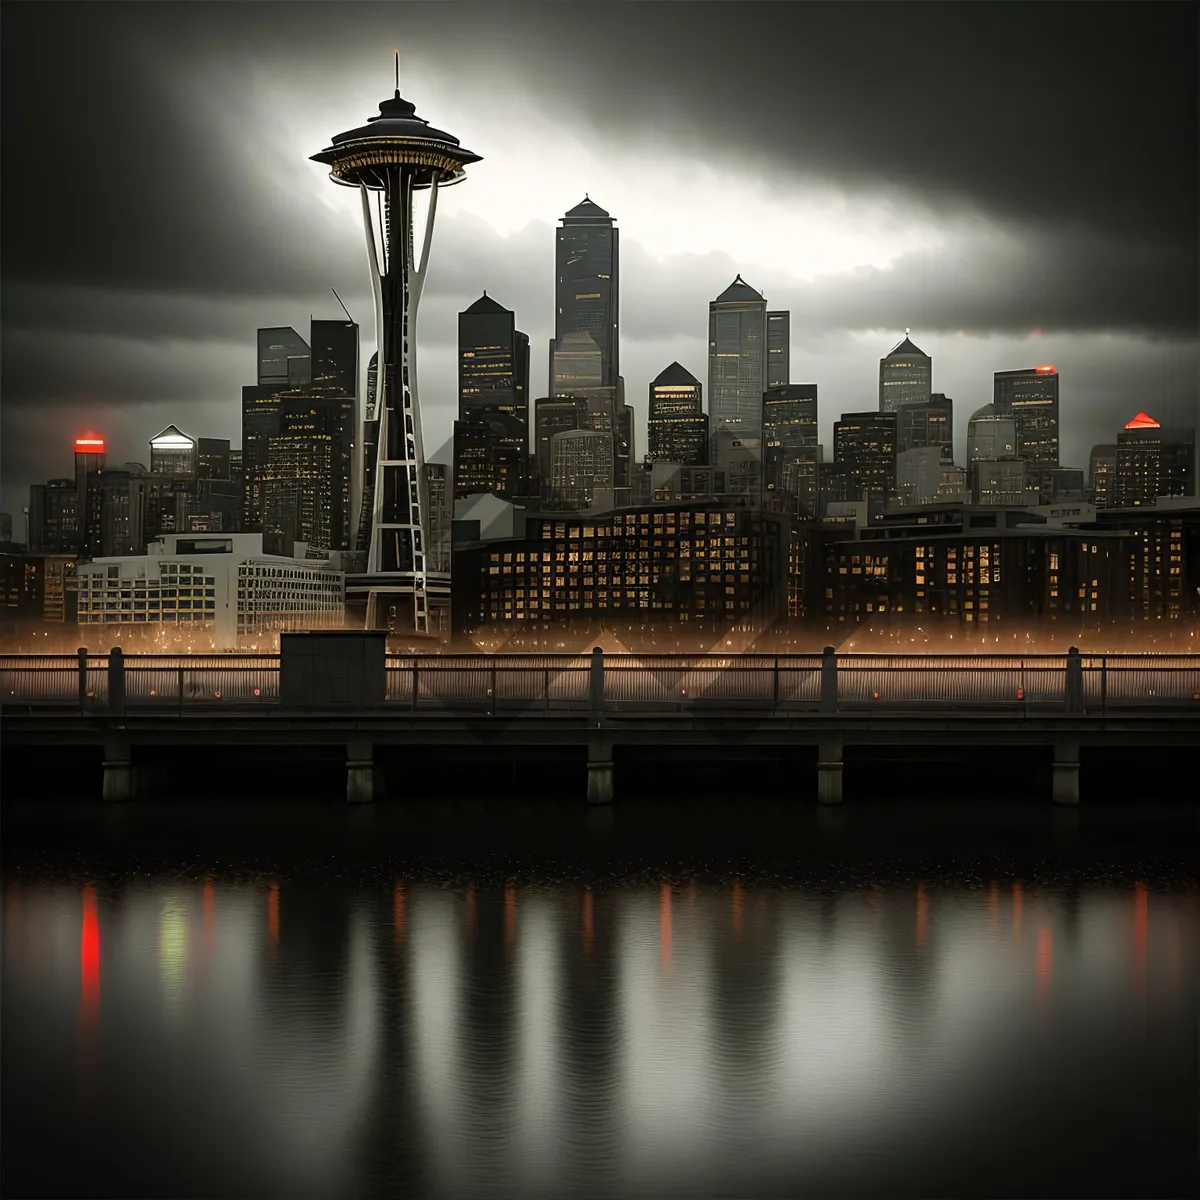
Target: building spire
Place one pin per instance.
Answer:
(397, 72)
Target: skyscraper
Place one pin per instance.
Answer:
(284, 358)
(581, 469)
(587, 283)
(212, 458)
(923, 423)
(1031, 395)
(172, 452)
(905, 376)
(995, 474)
(779, 349)
(1102, 470)
(789, 435)
(335, 350)
(866, 443)
(677, 428)
(737, 361)
(493, 391)
(1153, 462)
(397, 153)
(554, 414)
(301, 499)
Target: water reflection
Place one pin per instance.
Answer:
(547, 1041)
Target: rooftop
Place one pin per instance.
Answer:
(1142, 421)
(675, 374)
(485, 304)
(739, 291)
(587, 210)
(906, 347)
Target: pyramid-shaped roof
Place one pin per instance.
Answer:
(485, 304)
(587, 207)
(907, 347)
(675, 374)
(172, 436)
(739, 290)
(1142, 421)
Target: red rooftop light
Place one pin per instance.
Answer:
(1046, 370)
(89, 444)
(1141, 421)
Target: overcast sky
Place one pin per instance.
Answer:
(1016, 183)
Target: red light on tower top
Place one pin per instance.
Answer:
(1046, 370)
(1142, 421)
(89, 443)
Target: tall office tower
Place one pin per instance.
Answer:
(493, 390)
(116, 506)
(866, 443)
(800, 478)
(737, 361)
(89, 457)
(552, 415)
(919, 475)
(284, 359)
(587, 283)
(396, 154)
(172, 452)
(260, 421)
(1102, 470)
(369, 460)
(1031, 395)
(1153, 462)
(789, 429)
(56, 516)
(779, 349)
(441, 516)
(996, 475)
(212, 458)
(576, 365)
(581, 469)
(335, 366)
(922, 423)
(905, 376)
(677, 428)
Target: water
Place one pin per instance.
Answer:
(297, 1000)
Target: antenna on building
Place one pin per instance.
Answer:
(397, 72)
(907, 332)
(344, 308)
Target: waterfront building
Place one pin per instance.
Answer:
(173, 452)
(921, 423)
(779, 349)
(1160, 557)
(226, 588)
(865, 443)
(587, 287)
(493, 401)
(677, 427)
(737, 360)
(1153, 462)
(35, 589)
(397, 154)
(1030, 395)
(905, 376)
(56, 515)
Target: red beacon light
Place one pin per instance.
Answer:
(89, 443)
(1046, 369)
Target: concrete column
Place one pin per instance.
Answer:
(600, 772)
(118, 772)
(360, 773)
(116, 682)
(1073, 699)
(1066, 772)
(829, 681)
(829, 771)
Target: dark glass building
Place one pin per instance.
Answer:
(924, 423)
(779, 348)
(284, 359)
(1153, 462)
(789, 429)
(1031, 396)
(587, 283)
(212, 458)
(335, 353)
(865, 443)
(493, 392)
(677, 428)
(555, 414)
(737, 361)
(905, 376)
(56, 515)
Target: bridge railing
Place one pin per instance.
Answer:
(1095, 684)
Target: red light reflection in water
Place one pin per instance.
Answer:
(589, 932)
(922, 916)
(1017, 897)
(210, 921)
(273, 919)
(1045, 963)
(737, 908)
(1141, 938)
(664, 926)
(510, 916)
(398, 903)
(89, 959)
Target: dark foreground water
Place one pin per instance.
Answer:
(538, 1000)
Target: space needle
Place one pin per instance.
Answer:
(395, 155)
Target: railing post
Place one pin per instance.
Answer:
(415, 683)
(596, 690)
(83, 668)
(1074, 689)
(775, 685)
(1104, 686)
(829, 680)
(116, 682)
(492, 686)
(181, 691)
(546, 690)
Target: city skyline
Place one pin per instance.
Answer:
(158, 333)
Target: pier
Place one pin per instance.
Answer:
(347, 694)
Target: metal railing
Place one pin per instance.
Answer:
(1081, 683)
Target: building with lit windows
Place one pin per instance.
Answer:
(581, 468)
(1161, 557)
(1153, 462)
(56, 516)
(89, 457)
(1031, 396)
(212, 458)
(172, 452)
(587, 286)
(677, 427)
(737, 360)
(919, 476)
(905, 376)
(707, 564)
(779, 349)
(225, 588)
(1102, 470)
(995, 472)
(865, 444)
(554, 415)
(36, 589)
(922, 423)
(493, 393)
(789, 443)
